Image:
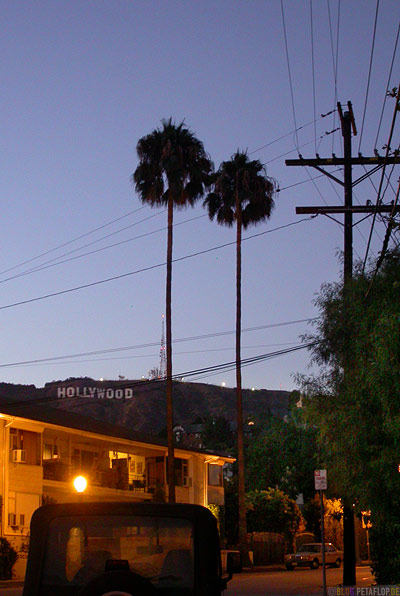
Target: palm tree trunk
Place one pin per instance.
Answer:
(170, 423)
(241, 480)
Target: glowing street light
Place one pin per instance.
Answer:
(80, 484)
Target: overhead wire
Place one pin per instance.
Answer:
(385, 241)
(71, 241)
(369, 74)
(378, 199)
(290, 74)
(247, 362)
(289, 134)
(335, 58)
(313, 72)
(144, 269)
(327, 133)
(154, 344)
(218, 368)
(55, 264)
(153, 355)
(387, 86)
(305, 181)
(56, 260)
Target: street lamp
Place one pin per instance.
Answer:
(80, 485)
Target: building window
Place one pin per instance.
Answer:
(181, 471)
(50, 451)
(24, 447)
(214, 475)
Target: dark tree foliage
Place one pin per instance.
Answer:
(217, 434)
(283, 454)
(358, 412)
(273, 511)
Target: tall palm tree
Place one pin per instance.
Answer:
(173, 170)
(242, 193)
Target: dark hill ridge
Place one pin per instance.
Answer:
(140, 405)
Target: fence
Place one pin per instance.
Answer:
(267, 547)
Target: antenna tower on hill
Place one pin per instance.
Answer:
(160, 372)
(163, 359)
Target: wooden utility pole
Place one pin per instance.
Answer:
(347, 161)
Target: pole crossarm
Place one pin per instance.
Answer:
(342, 161)
(331, 176)
(353, 209)
(347, 161)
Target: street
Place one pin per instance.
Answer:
(299, 581)
(270, 583)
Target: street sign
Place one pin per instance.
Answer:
(320, 480)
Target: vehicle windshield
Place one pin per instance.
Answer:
(310, 548)
(157, 548)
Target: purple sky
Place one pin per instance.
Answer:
(82, 82)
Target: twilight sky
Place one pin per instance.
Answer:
(82, 82)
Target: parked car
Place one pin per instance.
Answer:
(310, 555)
(141, 549)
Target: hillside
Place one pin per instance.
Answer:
(140, 405)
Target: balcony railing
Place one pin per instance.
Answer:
(54, 469)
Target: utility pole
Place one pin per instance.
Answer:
(348, 127)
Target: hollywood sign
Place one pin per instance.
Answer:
(98, 392)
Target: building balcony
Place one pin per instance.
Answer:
(56, 470)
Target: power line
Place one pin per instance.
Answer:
(369, 73)
(313, 72)
(153, 344)
(290, 75)
(248, 362)
(299, 147)
(71, 241)
(378, 198)
(387, 85)
(334, 61)
(385, 241)
(52, 264)
(153, 355)
(305, 181)
(289, 134)
(226, 366)
(56, 260)
(145, 269)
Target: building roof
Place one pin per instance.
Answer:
(66, 419)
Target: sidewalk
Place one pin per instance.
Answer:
(11, 583)
(281, 567)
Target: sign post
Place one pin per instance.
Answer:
(321, 484)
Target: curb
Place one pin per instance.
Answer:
(11, 583)
(263, 568)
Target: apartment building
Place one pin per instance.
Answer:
(44, 449)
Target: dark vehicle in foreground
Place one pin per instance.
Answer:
(124, 549)
(310, 555)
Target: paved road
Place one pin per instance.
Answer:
(269, 583)
(11, 590)
(290, 583)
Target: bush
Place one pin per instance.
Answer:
(8, 557)
(273, 511)
(384, 541)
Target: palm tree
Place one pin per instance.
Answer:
(242, 193)
(173, 170)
